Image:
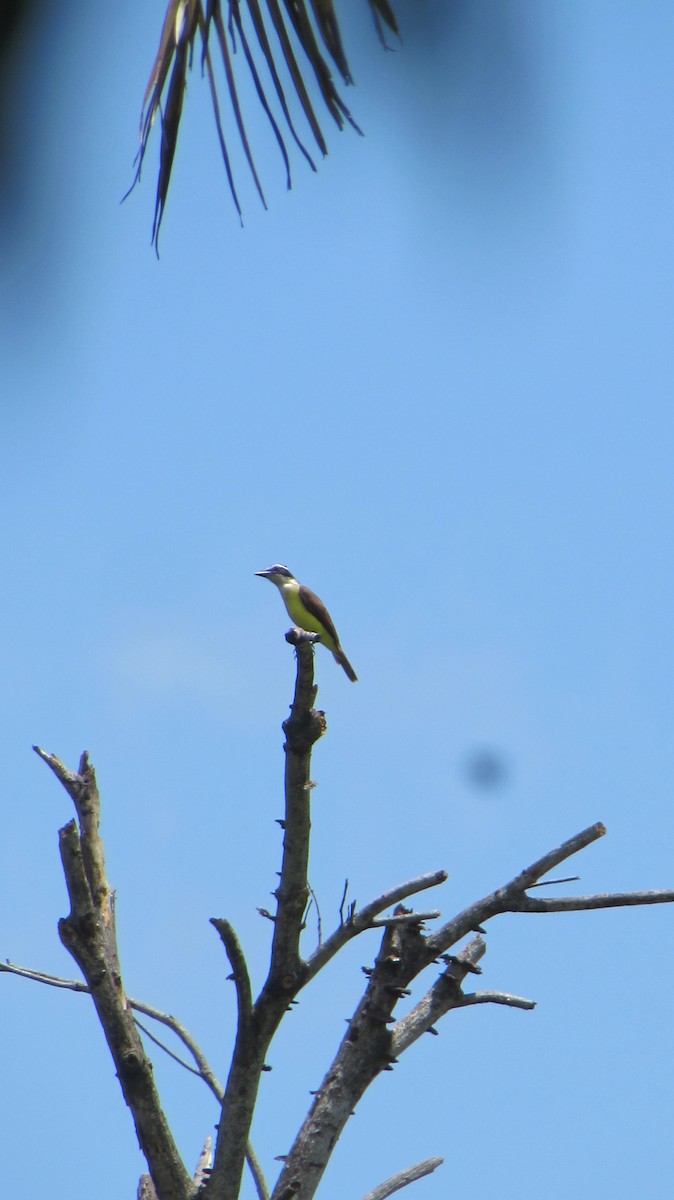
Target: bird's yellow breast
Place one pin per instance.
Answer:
(301, 616)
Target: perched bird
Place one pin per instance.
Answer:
(308, 612)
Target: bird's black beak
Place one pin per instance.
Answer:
(263, 574)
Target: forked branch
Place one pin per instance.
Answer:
(374, 1040)
(200, 1066)
(376, 1036)
(513, 898)
(88, 933)
(404, 1178)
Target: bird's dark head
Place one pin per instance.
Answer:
(276, 573)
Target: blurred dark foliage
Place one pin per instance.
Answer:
(16, 19)
(13, 14)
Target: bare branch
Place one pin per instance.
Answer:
(303, 728)
(403, 1178)
(319, 919)
(88, 933)
(258, 1023)
(373, 1041)
(530, 904)
(146, 1189)
(552, 859)
(83, 791)
(205, 1162)
(202, 1068)
(511, 897)
(497, 998)
(342, 903)
(167, 1049)
(365, 1051)
(240, 975)
(555, 882)
(72, 985)
(257, 1173)
(417, 918)
(369, 1047)
(444, 995)
(365, 918)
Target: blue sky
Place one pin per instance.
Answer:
(436, 380)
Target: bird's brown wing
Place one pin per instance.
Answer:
(316, 606)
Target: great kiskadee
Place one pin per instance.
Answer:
(308, 612)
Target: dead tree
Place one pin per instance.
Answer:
(375, 1037)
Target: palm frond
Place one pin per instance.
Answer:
(267, 31)
(383, 15)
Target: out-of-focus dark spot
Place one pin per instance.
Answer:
(486, 769)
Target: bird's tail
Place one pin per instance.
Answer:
(340, 657)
